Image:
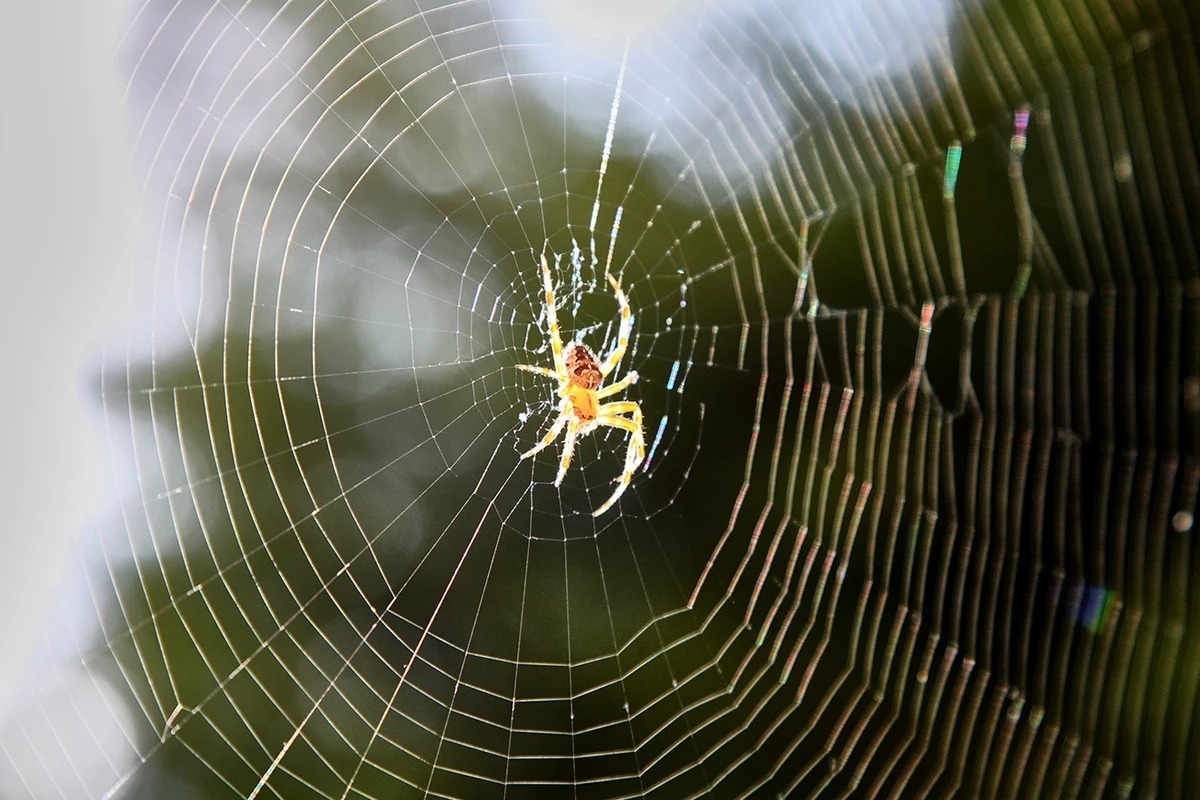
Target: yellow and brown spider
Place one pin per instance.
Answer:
(579, 378)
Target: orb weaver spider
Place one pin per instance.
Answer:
(579, 378)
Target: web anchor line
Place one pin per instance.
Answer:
(608, 140)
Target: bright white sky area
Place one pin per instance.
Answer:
(67, 194)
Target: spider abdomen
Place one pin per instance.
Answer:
(582, 368)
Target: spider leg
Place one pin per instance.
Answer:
(556, 344)
(622, 332)
(549, 373)
(564, 413)
(609, 416)
(568, 448)
(619, 386)
(635, 454)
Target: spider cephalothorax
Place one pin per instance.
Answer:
(579, 378)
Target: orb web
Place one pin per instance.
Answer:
(914, 291)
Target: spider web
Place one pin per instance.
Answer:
(914, 290)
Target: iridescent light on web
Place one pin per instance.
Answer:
(674, 374)
(953, 158)
(1094, 608)
(1020, 126)
(662, 426)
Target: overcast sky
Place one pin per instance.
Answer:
(67, 194)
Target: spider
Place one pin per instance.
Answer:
(579, 378)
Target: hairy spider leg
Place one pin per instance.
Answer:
(636, 452)
(619, 386)
(622, 332)
(556, 344)
(564, 414)
(611, 413)
(549, 373)
(568, 449)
